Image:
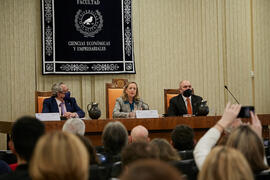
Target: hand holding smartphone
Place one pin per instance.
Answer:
(245, 111)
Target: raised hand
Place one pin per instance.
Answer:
(256, 124)
(229, 116)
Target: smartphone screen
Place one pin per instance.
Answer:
(245, 111)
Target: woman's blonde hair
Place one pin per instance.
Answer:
(59, 156)
(125, 96)
(225, 163)
(248, 142)
(166, 151)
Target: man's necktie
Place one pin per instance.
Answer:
(62, 105)
(189, 109)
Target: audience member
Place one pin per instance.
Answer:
(59, 156)
(165, 150)
(75, 126)
(4, 168)
(244, 138)
(183, 138)
(129, 102)
(62, 102)
(138, 150)
(185, 102)
(24, 135)
(93, 159)
(225, 163)
(114, 139)
(150, 170)
(250, 145)
(139, 133)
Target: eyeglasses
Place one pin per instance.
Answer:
(64, 92)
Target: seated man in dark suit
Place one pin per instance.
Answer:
(62, 102)
(185, 102)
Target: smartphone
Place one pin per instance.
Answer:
(245, 111)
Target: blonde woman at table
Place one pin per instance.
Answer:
(129, 102)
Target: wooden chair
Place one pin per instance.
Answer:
(113, 91)
(39, 98)
(168, 94)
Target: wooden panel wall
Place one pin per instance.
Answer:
(210, 42)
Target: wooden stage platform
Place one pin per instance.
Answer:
(158, 127)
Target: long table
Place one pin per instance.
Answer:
(158, 127)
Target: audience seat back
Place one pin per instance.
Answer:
(117, 168)
(187, 154)
(263, 175)
(187, 167)
(98, 172)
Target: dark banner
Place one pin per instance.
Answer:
(87, 37)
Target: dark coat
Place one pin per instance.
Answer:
(178, 107)
(50, 106)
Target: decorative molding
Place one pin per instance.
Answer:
(105, 67)
(74, 67)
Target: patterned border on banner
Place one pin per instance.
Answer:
(52, 65)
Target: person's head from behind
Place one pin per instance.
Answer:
(165, 150)
(225, 163)
(150, 170)
(24, 135)
(182, 138)
(114, 137)
(90, 148)
(137, 151)
(139, 133)
(130, 91)
(59, 156)
(184, 85)
(250, 145)
(75, 126)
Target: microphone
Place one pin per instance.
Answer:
(231, 94)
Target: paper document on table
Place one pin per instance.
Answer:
(147, 114)
(48, 116)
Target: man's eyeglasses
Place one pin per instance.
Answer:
(64, 92)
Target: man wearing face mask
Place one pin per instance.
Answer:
(62, 102)
(186, 103)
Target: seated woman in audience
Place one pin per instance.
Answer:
(250, 144)
(114, 139)
(129, 102)
(225, 163)
(245, 138)
(165, 150)
(59, 156)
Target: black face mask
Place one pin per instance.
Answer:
(187, 93)
(67, 96)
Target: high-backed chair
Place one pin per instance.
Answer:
(39, 98)
(187, 167)
(113, 91)
(168, 94)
